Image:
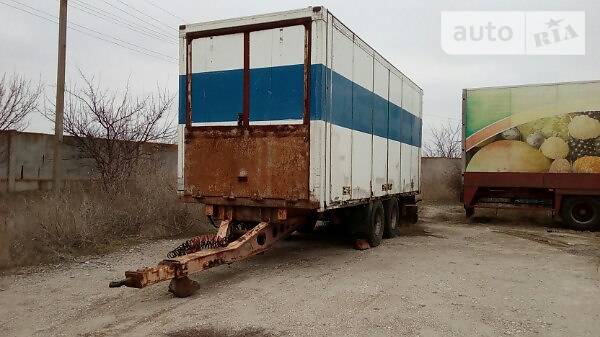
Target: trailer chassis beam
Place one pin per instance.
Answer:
(255, 241)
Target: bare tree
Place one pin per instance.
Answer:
(18, 98)
(113, 128)
(445, 142)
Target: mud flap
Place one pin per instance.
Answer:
(410, 213)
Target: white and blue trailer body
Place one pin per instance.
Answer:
(284, 119)
(293, 111)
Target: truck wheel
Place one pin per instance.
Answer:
(309, 225)
(469, 212)
(376, 224)
(582, 213)
(392, 218)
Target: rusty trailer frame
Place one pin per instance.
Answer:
(255, 241)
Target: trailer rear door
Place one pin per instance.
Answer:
(217, 79)
(247, 120)
(277, 76)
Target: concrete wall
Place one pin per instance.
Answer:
(26, 161)
(4, 244)
(26, 164)
(441, 179)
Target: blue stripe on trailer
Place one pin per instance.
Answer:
(362, 109)
(277, 93)
(380, 117)
(341, 101)
(395, 117)
(217, 96)
(318, 99)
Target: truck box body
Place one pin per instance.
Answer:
(532, 142)
(293, 110)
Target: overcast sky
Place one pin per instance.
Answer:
(406, 32)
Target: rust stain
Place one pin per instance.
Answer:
(254, 162)
(212, 263)
(307, 69)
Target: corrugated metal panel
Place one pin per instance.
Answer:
(318, 129)
(362, 123)
(419, 134)
(328, 98)
(181, 126)
(380, 122)
(395, 167)
(409, 104)
(341, 112)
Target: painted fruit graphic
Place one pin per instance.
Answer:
(581, 148)
(511, 134)
(547, 127)
(560, 166)
(584, 127)
(509, 156)
(535, 139)
(588, 164)
(486, 142)
(555, 148)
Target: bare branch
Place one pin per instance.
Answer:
(112, 127)
(18, 98)
(445, 142)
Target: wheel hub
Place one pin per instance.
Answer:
(583, 212)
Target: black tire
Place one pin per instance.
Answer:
(392, 219)
(581, 213)
(376, 223)
(469, 212)
(309, 225)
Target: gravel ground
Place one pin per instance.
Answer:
(443, 277)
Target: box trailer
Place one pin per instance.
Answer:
(534, 146)
(284, 119)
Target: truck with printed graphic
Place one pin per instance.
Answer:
(534, 146)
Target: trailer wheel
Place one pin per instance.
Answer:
(376, 224)
(392, 218)
(469, 212)
(309, 225)
(582, 213)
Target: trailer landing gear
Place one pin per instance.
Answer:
(183, 287)
(256, 240)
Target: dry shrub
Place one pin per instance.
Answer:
(91, 220)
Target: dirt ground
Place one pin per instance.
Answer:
(444, 277)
